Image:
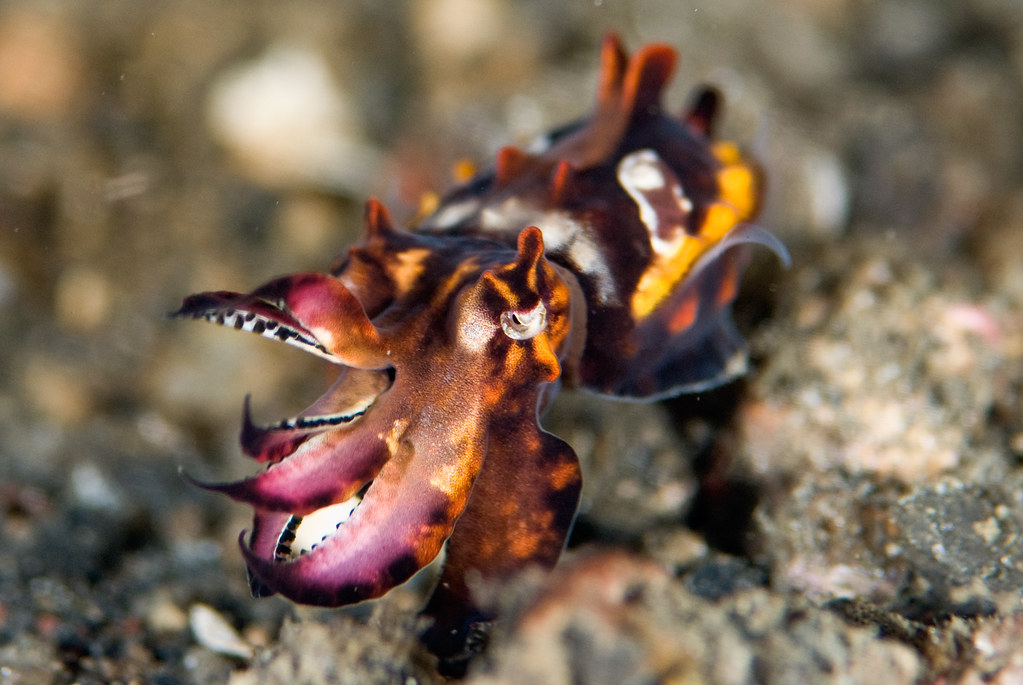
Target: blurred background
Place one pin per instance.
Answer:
(151, 150)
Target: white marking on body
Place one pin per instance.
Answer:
(562, 234)
(643, 175)
(587, 258)
(639, 170)
(474, 333)
(684, 203)
(451, 215)
(506, 216)
(637, 173)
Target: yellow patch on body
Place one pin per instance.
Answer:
(392, 437)
(409, 268)
(452, 479)
(737, 192)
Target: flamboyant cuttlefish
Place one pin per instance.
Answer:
(604, 257)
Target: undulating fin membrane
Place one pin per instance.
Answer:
(518, 517)
(690, 344)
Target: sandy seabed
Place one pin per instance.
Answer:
(851, 512)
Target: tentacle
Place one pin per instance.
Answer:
(315, 312)
(519, 515)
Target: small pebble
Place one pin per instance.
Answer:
(213, 632)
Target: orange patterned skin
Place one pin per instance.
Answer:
(606, 258)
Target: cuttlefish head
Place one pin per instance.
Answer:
(362, 489)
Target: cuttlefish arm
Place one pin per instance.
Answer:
(314, 312)
(316, 458)
(326, 469)
(344, 404)
(400, 525)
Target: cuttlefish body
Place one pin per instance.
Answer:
(606, 258)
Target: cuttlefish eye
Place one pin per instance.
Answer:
(524, 325)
